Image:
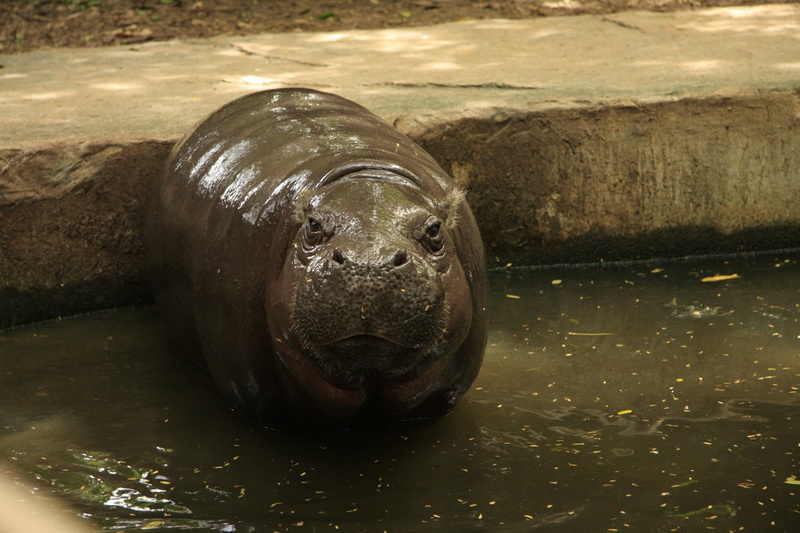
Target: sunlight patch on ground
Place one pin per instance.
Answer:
(704, 65)
(111, 86)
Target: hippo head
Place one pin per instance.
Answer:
(372, 299)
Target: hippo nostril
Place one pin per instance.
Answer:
(337, 256)
(400, 258)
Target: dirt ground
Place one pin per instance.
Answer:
(28, 25)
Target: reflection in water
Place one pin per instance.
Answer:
(98, 478)
(639, 399)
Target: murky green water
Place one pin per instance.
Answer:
(624, 399)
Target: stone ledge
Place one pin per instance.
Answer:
(580, 138)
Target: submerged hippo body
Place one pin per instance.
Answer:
(320, 264)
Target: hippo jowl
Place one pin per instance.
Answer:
(318, 263)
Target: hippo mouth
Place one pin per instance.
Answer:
(358, 359)
(343, 391)
(369, 347)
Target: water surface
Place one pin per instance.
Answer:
(647, 398)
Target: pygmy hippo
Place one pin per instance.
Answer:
(318, 263)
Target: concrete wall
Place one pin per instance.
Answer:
(584, 184)
(71, 222)
(617, 183)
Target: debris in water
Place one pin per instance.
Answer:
(719, 278)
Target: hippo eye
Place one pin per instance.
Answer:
(434, 238)
(314, 226)
(313, 233)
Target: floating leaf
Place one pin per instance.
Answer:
(792, 480)
(719, 278)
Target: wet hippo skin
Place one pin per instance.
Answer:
(318, 263)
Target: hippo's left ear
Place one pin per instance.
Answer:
(450, 205)
(302, 205)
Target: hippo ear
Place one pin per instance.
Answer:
(450, 205)
(303, 205)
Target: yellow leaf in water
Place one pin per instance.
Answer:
(153, 524)
(719, 278)
(512, 296)
(625, 412)
(792, 480)
(556, 282)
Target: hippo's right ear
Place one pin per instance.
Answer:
(450, 205)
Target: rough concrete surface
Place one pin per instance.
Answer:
(580, 138)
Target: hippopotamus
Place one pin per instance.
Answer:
(318, 263)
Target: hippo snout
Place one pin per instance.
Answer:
(395, 259)
(388, 294)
